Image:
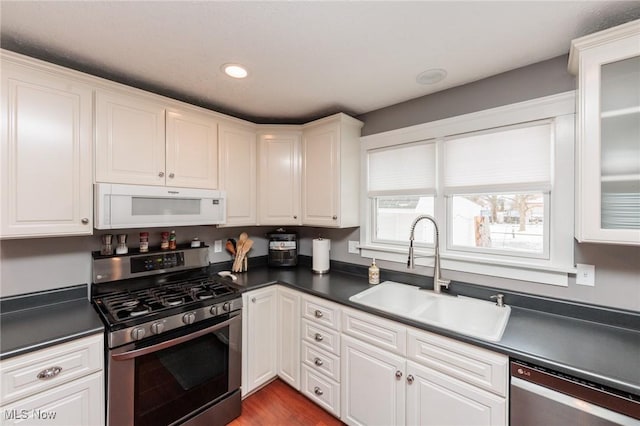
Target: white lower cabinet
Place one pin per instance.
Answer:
(289, 336)
(259, 338)
(392, 376)
(59, 385)
(435, 399)
(373, 387)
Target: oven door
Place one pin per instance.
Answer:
(177, 375)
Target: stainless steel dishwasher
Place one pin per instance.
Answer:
(542, 397)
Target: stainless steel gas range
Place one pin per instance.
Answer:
(174, 337)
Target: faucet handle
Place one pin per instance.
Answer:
(499, 299)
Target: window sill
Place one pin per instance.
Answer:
(534, 270)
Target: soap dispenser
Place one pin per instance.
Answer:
(374, 273)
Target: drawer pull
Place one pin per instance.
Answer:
(410, 379)
(49, 373)
(318, 337)
(318, 313)
(398, 374)
(318, 391)
(318, 362)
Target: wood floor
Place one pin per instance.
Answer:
(280, 404)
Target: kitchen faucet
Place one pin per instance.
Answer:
(438, 283)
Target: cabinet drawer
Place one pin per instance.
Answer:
(324, 392)
(320, 311)
(385, 334)
(321, 361)
(64, 362)
(473, 365)
(321, 337)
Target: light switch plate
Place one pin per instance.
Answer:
(586, 275)
(217, 246)
(353, 247)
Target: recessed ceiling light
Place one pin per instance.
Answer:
(235, 70)
(431, 76)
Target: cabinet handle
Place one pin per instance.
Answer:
(49, 373)
(398, 374)
(253, 300)
(317, 391)
(335, 217)
(84, 221)
(318, 337)
(318, 313)
(295, 217)
(318, 362)
(171, 175)
(410, 379)
(161, 174)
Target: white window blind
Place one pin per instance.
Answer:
(512, 159)
(404, 169)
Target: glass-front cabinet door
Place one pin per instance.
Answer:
(608, 135)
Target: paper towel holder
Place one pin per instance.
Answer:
(320, 255)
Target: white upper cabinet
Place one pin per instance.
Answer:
(238, 169)
(45, 157)
(192, 150)
(136, 145)
(331, 172)
(279, 177)
(608, 128)
(130, 139)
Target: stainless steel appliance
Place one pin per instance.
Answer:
(174, 338)
(283, 248)
(542, 397)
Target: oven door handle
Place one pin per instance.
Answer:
(173, 342)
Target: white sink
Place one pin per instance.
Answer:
(472, 317)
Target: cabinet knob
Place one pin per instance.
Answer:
(398, 374)
(253, 300)
(335, 217)
(171, 175)
(161, 174)
(318, 337)
(49, 373)
(318, 313)
(295, 217)
(84, 220)
(410, 379)
(318, 362)
(318, 391)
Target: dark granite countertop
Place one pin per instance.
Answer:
(36, 321)
(601, 353)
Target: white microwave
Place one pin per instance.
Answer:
(137, 206)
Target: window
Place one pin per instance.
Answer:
(499, 184)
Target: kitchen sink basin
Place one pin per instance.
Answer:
(477, 318)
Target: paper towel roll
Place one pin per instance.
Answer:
(320, 263)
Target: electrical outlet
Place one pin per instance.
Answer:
(353, 247)
(586, 275)
(217, 246)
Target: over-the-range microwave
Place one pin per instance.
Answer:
(138, 206)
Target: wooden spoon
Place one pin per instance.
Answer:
(237, 264)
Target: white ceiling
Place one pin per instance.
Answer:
(306, 59)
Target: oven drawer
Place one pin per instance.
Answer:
(321, 337)
(29, 374)
(323, 391)
(321, 361)
(322, 312)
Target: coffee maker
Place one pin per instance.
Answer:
(283, 248)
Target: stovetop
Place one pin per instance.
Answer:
(130, 307)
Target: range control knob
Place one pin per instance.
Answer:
(157, 327)
(137, 333)
(214, 310)
(226, 306)
(189, 318)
